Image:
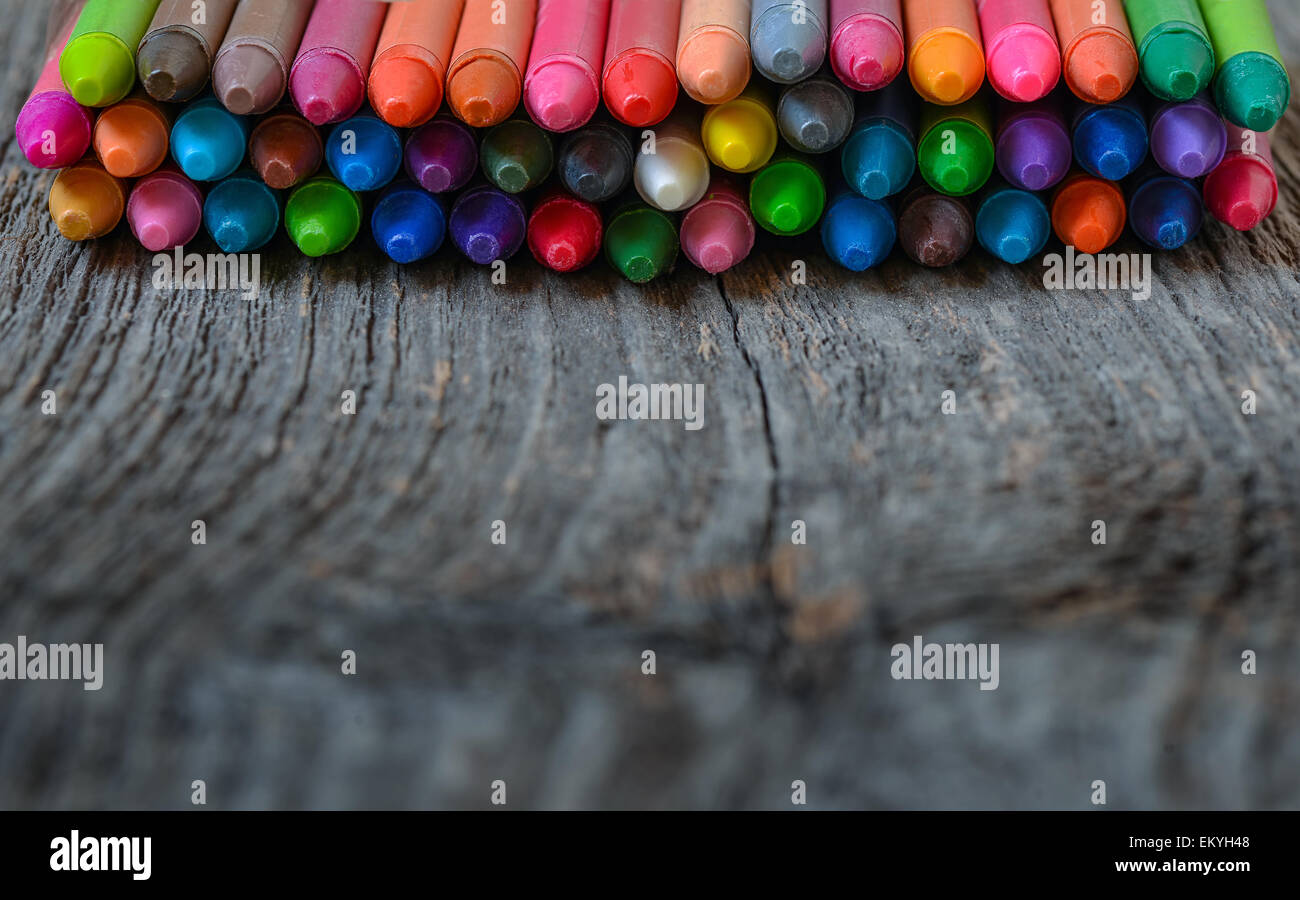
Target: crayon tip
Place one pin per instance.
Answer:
(120, 162)
(396, 111)
(1091, 237)
(1027, 86)
(735, 155)
(814, 134)
(1172, 235)
(712, 82)
(788, 64)
(1014, 247)
(1106, 87)
(866, 69)
(560, 96)
(1191, 164)
(199, 165)
(874, 184)
(556, 114)
(561, 256)
(401, 248)
(947, 87)
(715, 257)
(76, 226)
(1113, 165)
(477, 110)
(934, 253)
(239, 100)
(312, 240)
(1183, 83)
(231, 236)
(1035, 176)
(435, 178)
(955, 179)
(89, 91)
(278, 174)
(637, 108)
(1243, 215)
(640, 269)
(319, 110)
(1263, 114)
(160, 85)
(785, 216)
(511, 177)
(483, 248)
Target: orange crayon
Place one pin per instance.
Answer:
(945, 58)
(410, 69)
(713, 49)
(85, 201)
(485, 80)
(131, 137)
(1088, 213)
(1099, 61)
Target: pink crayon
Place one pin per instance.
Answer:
(718, 232)
(328, 79)
(54, 130)
(562, 84)
(165, 210)
(866, 42)
(1024, 60)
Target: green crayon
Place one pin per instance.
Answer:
(787, 195)
(641, 242)
(1251, 86)
(1173, 45)
(98, 64)
(955, 154)
(516, 155)
(322, 216)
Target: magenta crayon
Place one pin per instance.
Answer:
(53, 129)
(718, 232)
(1242, 190)
(329, 76)
(867, 47)
(165, 210)
(564, 233)
(562, 84)
(1023, 58)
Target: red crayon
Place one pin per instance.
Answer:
(328, 80)
(562, 85)
(1242, 190)
(640, 78)
(564, 232)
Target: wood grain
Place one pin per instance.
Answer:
(477, 661)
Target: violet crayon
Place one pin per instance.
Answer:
(487, 224)
(442, 155)
(1033, 145)
(1188, 139)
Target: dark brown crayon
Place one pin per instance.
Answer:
(286, 149)
(175, 57)
(933, 229)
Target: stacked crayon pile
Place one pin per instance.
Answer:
(560, 124)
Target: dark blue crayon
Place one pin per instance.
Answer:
(408, 223)
(1165, 211)
(365, 153)
(242, 213)
(208, 142)
(1110, 141)
(487, 224)
(1012, 224)
(857, 233)
(879, 155)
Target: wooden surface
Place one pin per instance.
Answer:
(521, 662)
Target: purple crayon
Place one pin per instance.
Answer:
(53, 129)
(1188, 139)
(1033, 145)
(442, 155)
(487, 224)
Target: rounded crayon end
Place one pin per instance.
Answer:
(313, 242)
(668, 197)
(866, 70)
(954, 179)
(1107, 87)
(74, 225)
(231, 236)
(1182, 84)
(788, 65)
(319, 110)
(1191, 164)
(1243, 215)
(511, 177)
(97, 69)
(948, 87)
(435, 178)
(1113, 165)
(640, 89)
(714, 67)
(640, 269)
(1014, 248)
(1026, 87)
(398, 112)
(402, 248)
(1090, 237)
(1035, 177)
(1263, 114)
(589, 184)
(1252, 90)
(711, 82)
(785, 216)
(715, 258)
(561, 256)
(561, 96)
(1025, 65)
(484, 92)
(89, 91)
(160, 85)
(154, 237)
(239, 100)
(483, 248)
(874, 184)
(120, 162)
(946, 68)
(634, 110)
(278, 174)
(736, 156)
(357, 176)
(1177, 63)
(1171, 235)
(198, 164)
(866, 52)
(403, 91)
(814, 134)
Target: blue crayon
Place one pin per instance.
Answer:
(1110, 141)
(857, 233)
(408, 223)
(879, 155)
(1012, 224)
(242, 213)
(365, 153)
(208, 142)
(1165, 211)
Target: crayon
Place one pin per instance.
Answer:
(945, 59)
(1242, 190)
(409, 73)
(1163, 210)
(242, 213)
(251, 72)
(879, 155)
(788, 38)
(1188, 139)
(934, 230)
(1176, 59)
(174, 59)
(1099, 60)
(595, 162)
(1251, 85)
(485, 80)
(53, 129)
(442, 155)
(408, 223)
(1033, 148)
(322, 216)
(787, 196)
(1021, 53)
(676, 175)
(98, 63)
(564, 233)
(857, 233)
(165, 210)
(1012, 224)
(562, 84)
(131, 137)
(1088, 212)
(85, 201)
(364, 153)
(641, 242)
(712, 49)
(740, 135)
(718, 232)
(516, 155)
(1110, 141)
(866, 45)
(209, 142)
(955, 153)
(639, 83)
(815, 115)
(329, 75)
(286, 149)
(487, 225)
